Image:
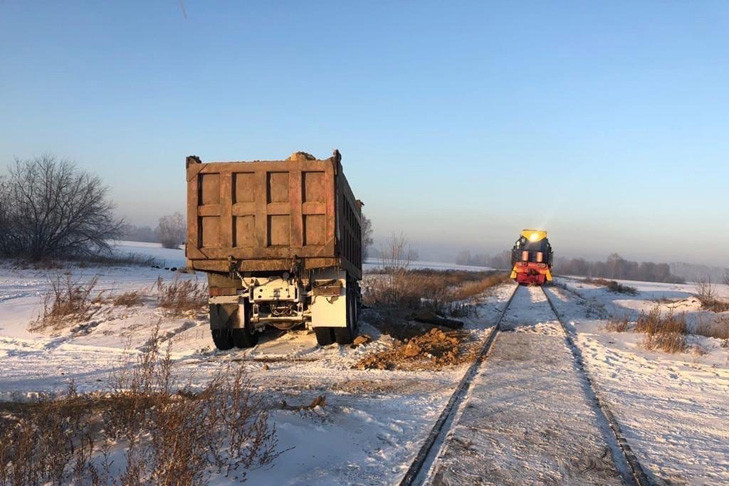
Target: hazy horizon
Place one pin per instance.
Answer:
(459, 125)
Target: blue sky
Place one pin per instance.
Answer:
(460, 123)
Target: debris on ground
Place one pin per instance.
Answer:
(432, 350)
(430, 317)
(360, 340)
(319, 401)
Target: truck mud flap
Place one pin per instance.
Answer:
(220, 315)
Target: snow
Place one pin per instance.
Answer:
(517, 425)
(672, 407)
(367, 433)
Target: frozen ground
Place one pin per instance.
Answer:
(527, 419)
(673, 407)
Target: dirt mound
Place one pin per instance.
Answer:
(432, 350)
(301, 156)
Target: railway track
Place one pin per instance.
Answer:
(639, 475)
(427, 453)
(628, 466)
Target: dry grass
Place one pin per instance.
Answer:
(441, 291)
(469, 290)
(612, 286)
(665, 332)
(128, 299)
(618, 324)
(68, 301)
(166, 437)
(181, 295)
(717, 327)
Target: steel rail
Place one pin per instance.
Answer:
(637, 472)
(424, 456)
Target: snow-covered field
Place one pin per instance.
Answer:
(673, 407)
(367, 433)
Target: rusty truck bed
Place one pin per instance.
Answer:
(265, 215)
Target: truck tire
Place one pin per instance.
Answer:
(324, 336)
(220, 315)
(244, 336)
(222, 338)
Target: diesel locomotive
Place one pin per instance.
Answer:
(531, 258)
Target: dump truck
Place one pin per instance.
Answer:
(281, 243)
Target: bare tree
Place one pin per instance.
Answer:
(705, 290)
(726, 277)
(396, 255)
(172, 230)
(366, 236)
(52, 209)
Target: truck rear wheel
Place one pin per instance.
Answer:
(222, 338)
(324, 336)
(220, 315)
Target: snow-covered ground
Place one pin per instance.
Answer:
(673, 407)
(527, 418)
(367, 433)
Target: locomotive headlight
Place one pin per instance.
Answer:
(534, 237)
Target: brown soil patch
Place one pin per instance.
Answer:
(430, 351)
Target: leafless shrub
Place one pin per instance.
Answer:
(618, 324)
(170, 438)
(181, 295)
(706, 293)
(667, 333)
(367, 240)
(172, 230)
(705, 290)
(48, 443)
(396, 256)
(66, 302)
(51, 209)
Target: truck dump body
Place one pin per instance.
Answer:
(271, 215)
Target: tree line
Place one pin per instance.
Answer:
(614, 267)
